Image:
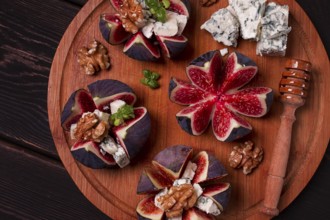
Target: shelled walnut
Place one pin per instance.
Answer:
(246, 156)
(131, 15)
(178, 198)
(207, 3)
(93, 58)
(90, 127)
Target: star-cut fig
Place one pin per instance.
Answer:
(177, 166)
(130, 136)
(150, 35)
(215, 94)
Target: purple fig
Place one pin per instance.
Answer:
(133, 134)
(208, 168)
(174, 158)
(140, 48)
(214, 94)
(112, 29)
(146, 209)
(181, 7)
(79, 102)
(145, 186)
(88, 153)
(106, 91)
(172, 46)
(220, 193)
(116, 4)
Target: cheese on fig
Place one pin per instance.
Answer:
(115, 105)
(207, 205)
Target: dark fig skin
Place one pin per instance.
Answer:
(174, 158)
(172, 46)
(79, 102)
(145, 186)
(139, 48)
(185, 124)
(90, 159)
(196, 214)
(223, 198)
(107, 87)
(112, 30)
(206, 57)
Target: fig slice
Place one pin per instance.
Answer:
(252, 102)
(88, 153)
(227, 126)
(184, 93)
(112, 29)
(79, 102)
(181, 7)
(172, 46)
(204, 71)
(174, 158)
(145, 186)
(133, 134)
(208, 169)
(138, 47)
(146, 209)
(219, 193)
(196, 214)
(195, 118)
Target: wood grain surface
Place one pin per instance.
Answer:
(105, 188)
(30, 31)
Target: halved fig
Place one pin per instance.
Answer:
(215, 93)
(112, 29)
(172, 46)
(139, 48)
(146, 209)
(130, 136)
(181, 7)
(203, 172)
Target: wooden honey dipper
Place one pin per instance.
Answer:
(293, 90)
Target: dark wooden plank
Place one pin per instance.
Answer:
(29, 34)
(34, 187)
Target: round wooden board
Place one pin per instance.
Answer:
(114, 190)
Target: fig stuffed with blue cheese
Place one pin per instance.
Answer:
(181, 185)
(147, 27)
(107, 129)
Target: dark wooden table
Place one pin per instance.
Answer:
(33, 181)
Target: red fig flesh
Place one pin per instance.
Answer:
(214, 93)
(146, 209)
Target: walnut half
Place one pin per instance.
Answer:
(93, 58)
(246, 156)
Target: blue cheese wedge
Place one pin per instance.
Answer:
(223, 26)
(249, 14)
(108, 145)
(275, 29)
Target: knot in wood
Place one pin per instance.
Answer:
(178, 198)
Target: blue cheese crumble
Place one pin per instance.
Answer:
(249, 14)
(223, 26)
(275, 29)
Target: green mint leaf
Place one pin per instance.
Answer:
(166, 3)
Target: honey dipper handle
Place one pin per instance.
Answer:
(279, 161)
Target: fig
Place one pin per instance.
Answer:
(139, 48)
(112, 29)
(143, 45)
(215, 94)
(130, 136)
(203, 171)
(172, 46)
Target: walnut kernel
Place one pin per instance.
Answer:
(246, 156)
(131, 15)
(178, 198)
(93, 58)
(90, 127)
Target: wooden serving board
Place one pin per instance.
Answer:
(114, 190)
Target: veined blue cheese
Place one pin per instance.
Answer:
(249, 14)
(109, 146)
(275, 29)
(224, 27)
(174, 25)
(207, 205)
(189, 172)
(181, 181)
